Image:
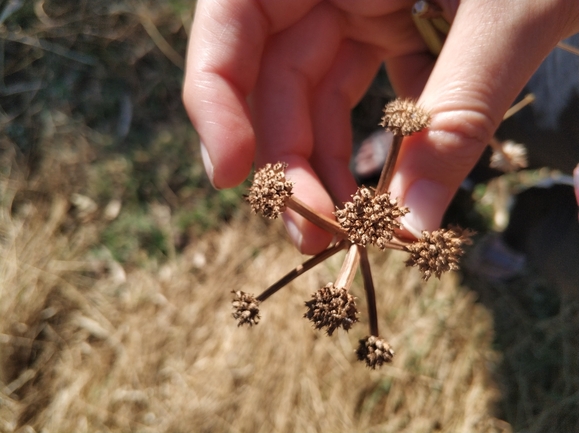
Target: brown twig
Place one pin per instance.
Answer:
(320, 220)
(388, 169)
(529, 98)
(568, 48)
(304, 267)
(348, 269)
(370, 292)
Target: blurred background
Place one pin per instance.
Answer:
(117, 260)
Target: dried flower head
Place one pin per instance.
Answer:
(369, 218)
(270, 190)
(439, 251)
(332, 307)
(375, 351)
(245, 308)
(403, 117)
(511, 157)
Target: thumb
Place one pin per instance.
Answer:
(492, 50)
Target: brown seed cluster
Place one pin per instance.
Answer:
(439, 251)
(245, 308)
(375, 351)
(370, 219)
(332, 307)
(270, 190)
(403, 117)
(513, 157)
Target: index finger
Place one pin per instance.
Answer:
(223, 59)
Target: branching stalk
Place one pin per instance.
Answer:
(321, 221)
(304, 267)
(388, 169)
(370, 292)
(348, 269)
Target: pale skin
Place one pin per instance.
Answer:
(275, 80)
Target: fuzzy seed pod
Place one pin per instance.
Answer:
(270, 191)
(439, 251)
(245, 308)
(375, 351)
(332, 307)
(513, 157)
(403, 117)
(370, 219)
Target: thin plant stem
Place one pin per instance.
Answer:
(370, 292)
(388, 169)
(304, 267)
(529, 98)
(348, 269)
(569, 48)
(398, 244)
(320, 220)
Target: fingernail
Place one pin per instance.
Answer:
(427, 201)
(294, 233)
(207, 163)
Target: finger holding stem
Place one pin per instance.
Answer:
(271, 194)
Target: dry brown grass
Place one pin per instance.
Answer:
(90, 346)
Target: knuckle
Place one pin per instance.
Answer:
(460, 137)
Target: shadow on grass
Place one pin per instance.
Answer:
(535, 312)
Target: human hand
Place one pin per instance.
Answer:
(275, 80)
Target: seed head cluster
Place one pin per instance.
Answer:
(332, 307)
(403, 117)
(370, 219)
(513, 157)
(245, 308)
(375, 351)
(270, 190)
(439, 251)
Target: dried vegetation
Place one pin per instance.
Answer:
(91, 345)
(115, 280)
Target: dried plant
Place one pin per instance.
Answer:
(246, 309)
(270, 191)
(374, 351)
(509, 156)
(243, 301)
(438, 252)
(372, 217)
(403, 117)
(333, 306)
